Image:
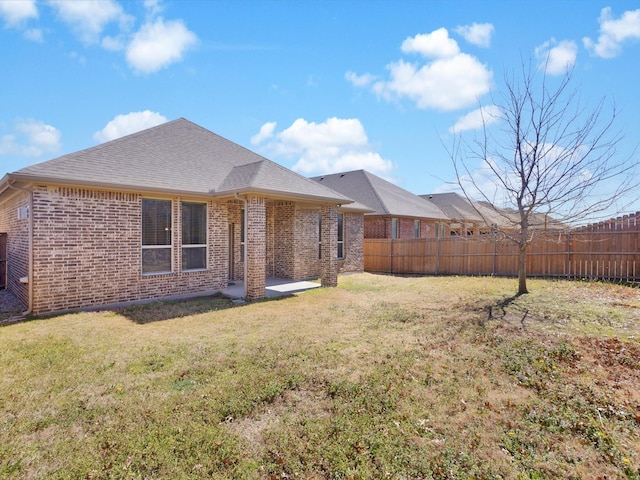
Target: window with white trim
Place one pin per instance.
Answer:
(194, 236)
(157, 244)
(416, 229)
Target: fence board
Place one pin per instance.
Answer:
(607, 252)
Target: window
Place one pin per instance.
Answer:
(341, 235)
(194, 236)
(156, 236)
(394, 228)
(416, 229)
(319, 235)
(242, 234)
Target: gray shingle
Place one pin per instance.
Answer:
(178, 156)
(383, 197)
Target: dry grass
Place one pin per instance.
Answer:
(382, 377)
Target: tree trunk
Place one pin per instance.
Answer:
(522, 270)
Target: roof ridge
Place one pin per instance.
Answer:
(375, 190)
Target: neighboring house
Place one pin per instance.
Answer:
(169, 211)
(395, 212)
(478, 218)
(466, 218)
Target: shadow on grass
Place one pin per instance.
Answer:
(160, 310)
(498, 310)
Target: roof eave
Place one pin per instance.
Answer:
(33, 179)
(280, 195)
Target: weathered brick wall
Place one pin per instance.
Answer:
(17, 231)
(87, 251)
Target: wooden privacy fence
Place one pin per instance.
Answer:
(610, 255)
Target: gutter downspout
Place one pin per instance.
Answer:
(244, 247)
(30, 235)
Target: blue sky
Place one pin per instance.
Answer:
(318, 86)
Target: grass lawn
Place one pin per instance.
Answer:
(382, 377)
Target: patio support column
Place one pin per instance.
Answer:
(256, 247)
(329, 246)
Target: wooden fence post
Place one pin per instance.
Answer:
(569, 254)
(437, 254)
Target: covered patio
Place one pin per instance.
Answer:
(275, 287)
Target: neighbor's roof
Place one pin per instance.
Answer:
(459, 208)
(455, 206)
(383, 197)
(181, 157)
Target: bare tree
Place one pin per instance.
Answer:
(544, 155)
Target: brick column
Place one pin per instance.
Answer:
(256, 247)
(329, 238)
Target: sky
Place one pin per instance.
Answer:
(317, 86)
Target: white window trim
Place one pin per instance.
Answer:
(199, 245)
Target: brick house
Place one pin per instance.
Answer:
(394, 211)
(169, 211)
(466, 218)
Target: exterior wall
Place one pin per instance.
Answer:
(281, 235)
(235, 223)
(87, 250)
(87, 247)
(379, 226)
(329, 247)
(353, 261)
(256, 247)
(306, 258)
(293, 245)
(17, 231)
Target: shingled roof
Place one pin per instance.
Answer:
(381, 196)
(177, 157)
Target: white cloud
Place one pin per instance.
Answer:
(444, 84)
(33, 34)
(451, 80)
(159, 44)
(359, 80)
(265, 133)
(132, 122)
(89, 19)
(154, 7)
(477, 33)
(436, 44)
(30, 138)
(478, 118)
(16, 12)
(332, 146)
(557, 57)
(614, 32)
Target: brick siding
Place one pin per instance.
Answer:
(87, 247)
(87, 251)
(17, 231)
